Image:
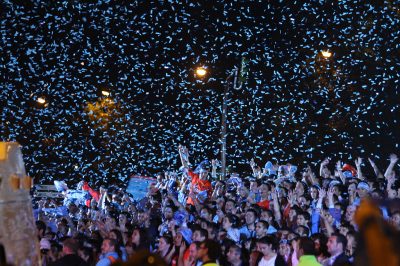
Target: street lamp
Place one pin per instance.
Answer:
(326, 54)
(41, 100)
(200, 72)
(105, 93)
(235, 80)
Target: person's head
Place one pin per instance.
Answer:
(70, 246)
(314, 192)
(337, 244)
(140, 238)
(229, 221)
(300, 188)
(351, 241)
(266, 245)
(363, 189)
(301, 219)
(250, 216)
(395, 219)
(304, 202)
(212, 230)
(306, 247)
(254, 185)
(284, 247)
(206, 214)
(351, 188)
(350, 210)
(243, 191)
(203, 174)
(234, 254)
(116, 234)
(209, 250)
(109, 245)
(168, 213)
(193, 250)
(165, 243)
(40, 229)
(293, 213)
(261, 228)
(229, 206)
(264, 190)
(267, 215)
(320, 241)
(142, 216)
(302, 230)
(199, 235)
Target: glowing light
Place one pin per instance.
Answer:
(201, 72)
(326, 54)
(41, 100)
(105, 93)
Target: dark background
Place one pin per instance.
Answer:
(295, 106)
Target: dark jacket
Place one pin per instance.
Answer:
(342, 260)
(70, 260)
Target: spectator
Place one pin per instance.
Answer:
(71, 257)
(209, 252)
(337, 244)
(109, 253)
(306, 252)
(269, 255)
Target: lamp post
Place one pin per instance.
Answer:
(236, 84)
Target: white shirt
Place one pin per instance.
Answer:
(270, 262)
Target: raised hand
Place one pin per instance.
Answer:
(339, 165)
(252, 163)
(325, 162)
(393, 158)
(322, 193)
(358, 162)
(330, 193)
(291, 197)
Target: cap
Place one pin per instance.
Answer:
(363, 185)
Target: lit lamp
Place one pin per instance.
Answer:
(326, 54)
(201, 72)
(41, 100)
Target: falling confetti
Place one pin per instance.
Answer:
(296, 104)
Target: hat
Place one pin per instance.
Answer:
(179, 217)
(293, 169)
(45, 244)
(363, 185)
(334, 183)
(348, 167)
(203, 167)
(202, 196)
(268, 165)
(348, 174)
(186, 234)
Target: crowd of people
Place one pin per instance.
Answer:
(278, 216)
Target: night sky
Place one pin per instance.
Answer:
(295, 106)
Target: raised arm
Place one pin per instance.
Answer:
(339, 170)
(277, 210)
(184, 155)
(358, 163)
(323, 165)
(253, 168)
(377, 172)
(214, 163)
(393, 160)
